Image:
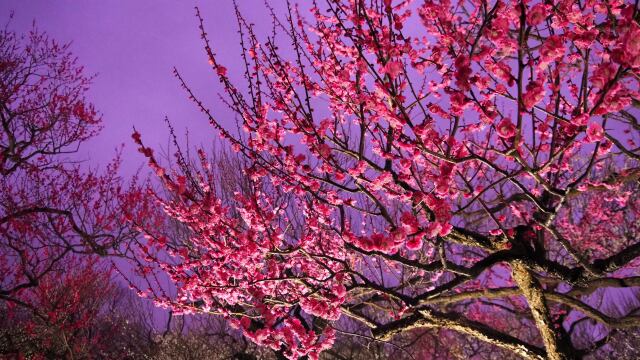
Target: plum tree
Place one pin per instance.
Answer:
(52, 208)
(469, 167)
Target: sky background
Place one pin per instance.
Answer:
(132, 47)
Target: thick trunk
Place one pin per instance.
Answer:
(532, 291)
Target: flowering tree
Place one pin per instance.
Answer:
(59, 318)
(50, 207)
(469, 167)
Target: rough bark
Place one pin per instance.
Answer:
(534, 294)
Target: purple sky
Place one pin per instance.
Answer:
(132, 47)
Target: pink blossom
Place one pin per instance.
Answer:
(584, 38)
(409, 222)
(463, 72)
(552, 49)
(506, 129)
(537, 14)
(221, 70)
(393, 69)
(628, 50)
(535, 93)
(414, 243)
(581, 119)
(603, 74)
(595, 132)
